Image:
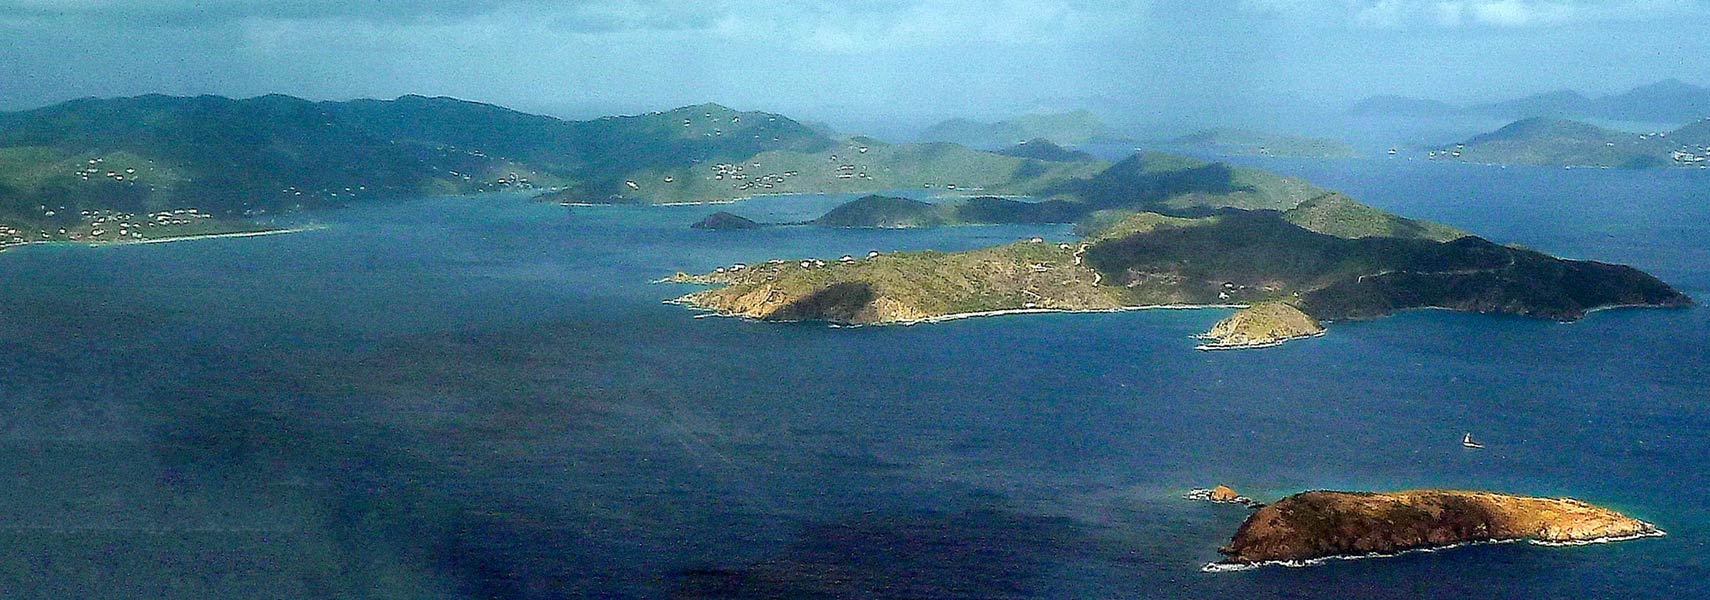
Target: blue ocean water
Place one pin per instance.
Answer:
(482, 397)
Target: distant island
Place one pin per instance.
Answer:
(1556, 142)
(1245, 142)
(1316, 525)
(1170, 232)
(1667, 101)
(1065, 129)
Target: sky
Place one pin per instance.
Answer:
(852, 60)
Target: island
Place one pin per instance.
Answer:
(724, 221)
(1067, 128)
(1246, 142)
(1543, 141)
(1317, 525)
(1166, 232)
(1261, 326)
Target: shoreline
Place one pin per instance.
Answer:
(1257, 345)
(1226, 567)
(711, 312)
(188, 238)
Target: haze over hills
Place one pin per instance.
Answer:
(1065, 129)
(1667, 101)
(1236, 141)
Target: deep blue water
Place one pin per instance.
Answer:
(485, 398)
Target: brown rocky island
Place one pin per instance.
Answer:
(1322, 524)
(1261, 326)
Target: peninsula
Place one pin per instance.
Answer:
(1323, 524)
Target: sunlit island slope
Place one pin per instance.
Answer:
(1321, 524)
(1323, 256)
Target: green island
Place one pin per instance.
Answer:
(1246, 142)
(1067, 128)
(1564, 143)
(1311, 526)
(1169, 232)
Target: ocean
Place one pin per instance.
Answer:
(484, 397)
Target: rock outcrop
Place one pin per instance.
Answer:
(1260, 326)
(1222, 494)
(1322, 524)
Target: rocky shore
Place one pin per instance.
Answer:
(1324, 524)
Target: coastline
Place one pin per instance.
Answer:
(1256, 345)
(188, 238)
(709, 312)
(1226, 567)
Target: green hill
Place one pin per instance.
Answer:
(853, 166)
(1044, 149)
(1066, 129)
(1340, 216)
(1556, 142)
(884, 212)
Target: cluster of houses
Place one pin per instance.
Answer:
(1692, 156)
(104, 226)
(742, 180)
(93, 169)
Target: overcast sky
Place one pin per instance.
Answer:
(909, 58)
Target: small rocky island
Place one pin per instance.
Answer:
(1261, 326)
(721, 220)
(1323, 524)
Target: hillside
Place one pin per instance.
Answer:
(1147, 184)
(853, 166)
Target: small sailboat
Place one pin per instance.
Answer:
(1467, 442)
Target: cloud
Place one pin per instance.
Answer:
(1450, 14)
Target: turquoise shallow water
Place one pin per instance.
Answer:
(484, 398)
